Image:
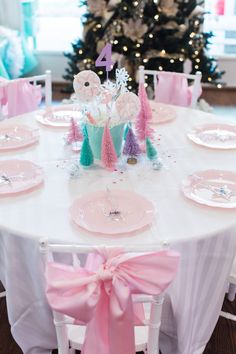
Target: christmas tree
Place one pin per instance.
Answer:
(145, 115)
(131, 147)
(150, 150)
(86, 155)
(109, 157)
(74, 134)
(159, 34)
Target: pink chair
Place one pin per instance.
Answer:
(173, 88)
(95, 310)
(23, 95)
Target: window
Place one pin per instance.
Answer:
(58, 24)
(221, 20)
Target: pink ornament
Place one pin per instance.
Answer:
(144, 117)
(109, 157)
(128, 106)
(86, 85)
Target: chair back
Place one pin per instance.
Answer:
(61, 319)
(24, 94)
(194, 89)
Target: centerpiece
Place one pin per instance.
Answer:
(106, 109)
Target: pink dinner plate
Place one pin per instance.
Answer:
(215, 188)
(59, 116)
(17, 176)
(118, 212)
(215, 136)
(14, 137)
(161, 113)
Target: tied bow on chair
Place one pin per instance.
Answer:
(103, 299)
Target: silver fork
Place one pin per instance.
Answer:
(114, 213)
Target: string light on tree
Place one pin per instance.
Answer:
(127, 24)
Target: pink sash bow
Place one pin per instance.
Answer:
(103, 300)
(172, 88)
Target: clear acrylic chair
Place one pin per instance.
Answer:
(195, 79)
(70, 337)
(8, 104)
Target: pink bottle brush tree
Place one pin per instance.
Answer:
(145, 115)
(74, 134)
(108, 153)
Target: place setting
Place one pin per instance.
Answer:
(214, 188)
(214, 136)
(17, 136)
(162, 113)
(19, 176)
(112, 212)
(59, 117)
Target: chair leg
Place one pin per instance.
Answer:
(232, 292)
(227, 315)
(71, 351)
(3, 294)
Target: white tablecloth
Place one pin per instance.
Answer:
(204, 236)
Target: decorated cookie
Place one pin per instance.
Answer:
(86, 85)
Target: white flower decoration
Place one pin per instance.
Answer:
(109, 85)
(122, 77)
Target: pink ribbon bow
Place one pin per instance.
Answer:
(103, 299)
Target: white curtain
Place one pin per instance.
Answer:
(10, 14)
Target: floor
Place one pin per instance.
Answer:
(223, 340)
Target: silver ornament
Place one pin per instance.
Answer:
(74, 170)
(157, 165)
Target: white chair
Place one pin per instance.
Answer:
(71, 337)
(3, 294)
(35, 80)
(196, 79)
(231, 292)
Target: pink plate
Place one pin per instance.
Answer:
(59, 116)
(113, 212)
(17, 176)
(215, 136)
(13, 137)
(214, 188)
(162, 113)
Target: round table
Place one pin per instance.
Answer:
(203, 235)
